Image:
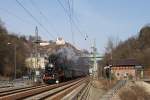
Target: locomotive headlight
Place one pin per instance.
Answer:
(51, 65)
(57, 81)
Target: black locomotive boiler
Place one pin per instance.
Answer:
(60, 69)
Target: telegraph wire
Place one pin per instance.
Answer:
(44, 16)
(70, 15)
(70, 3)
(34, 18)
(65, 10)
(70, 19)
(14, 15)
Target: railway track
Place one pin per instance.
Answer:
(7, 86)
(77, 93)
(16, 90)
(43, 92)
(85, 93)
(64, 90)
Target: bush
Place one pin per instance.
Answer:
(127, 95)
(130, 77)
(113, 76)
(134, 93)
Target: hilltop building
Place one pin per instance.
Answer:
(44, 43)
(60, 41)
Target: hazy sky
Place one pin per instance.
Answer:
(100, 19)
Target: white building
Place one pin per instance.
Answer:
(33, 63)
(44, 43)
(60, 41)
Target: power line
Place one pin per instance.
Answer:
(34, 18)
(14, 15)
(71, 18)
(44, 16)
(70, 3)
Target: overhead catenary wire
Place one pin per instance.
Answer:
(44, 16)
(75, 25)
(35, 19)
(84, 35)
(70, 3)
(70, 7)
(14, 15)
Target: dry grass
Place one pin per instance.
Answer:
(107, 84)
(134, 93)
(4, 78)
(104, 84)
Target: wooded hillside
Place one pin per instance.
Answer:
(137, 47)
(7, 53)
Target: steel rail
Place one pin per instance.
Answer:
(11, 91)
(85, 92)
(73, 95)
(31, 92)
(51, 92)
(5, 86)
(62, 93)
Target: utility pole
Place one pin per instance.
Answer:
(95, 61)
(36, 53)
(15, 48)
(15, 59)
(36, 46)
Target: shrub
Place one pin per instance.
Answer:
(134, 93)
(130, 77)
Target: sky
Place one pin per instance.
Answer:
(98, 19)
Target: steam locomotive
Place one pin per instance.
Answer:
(59, 69)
